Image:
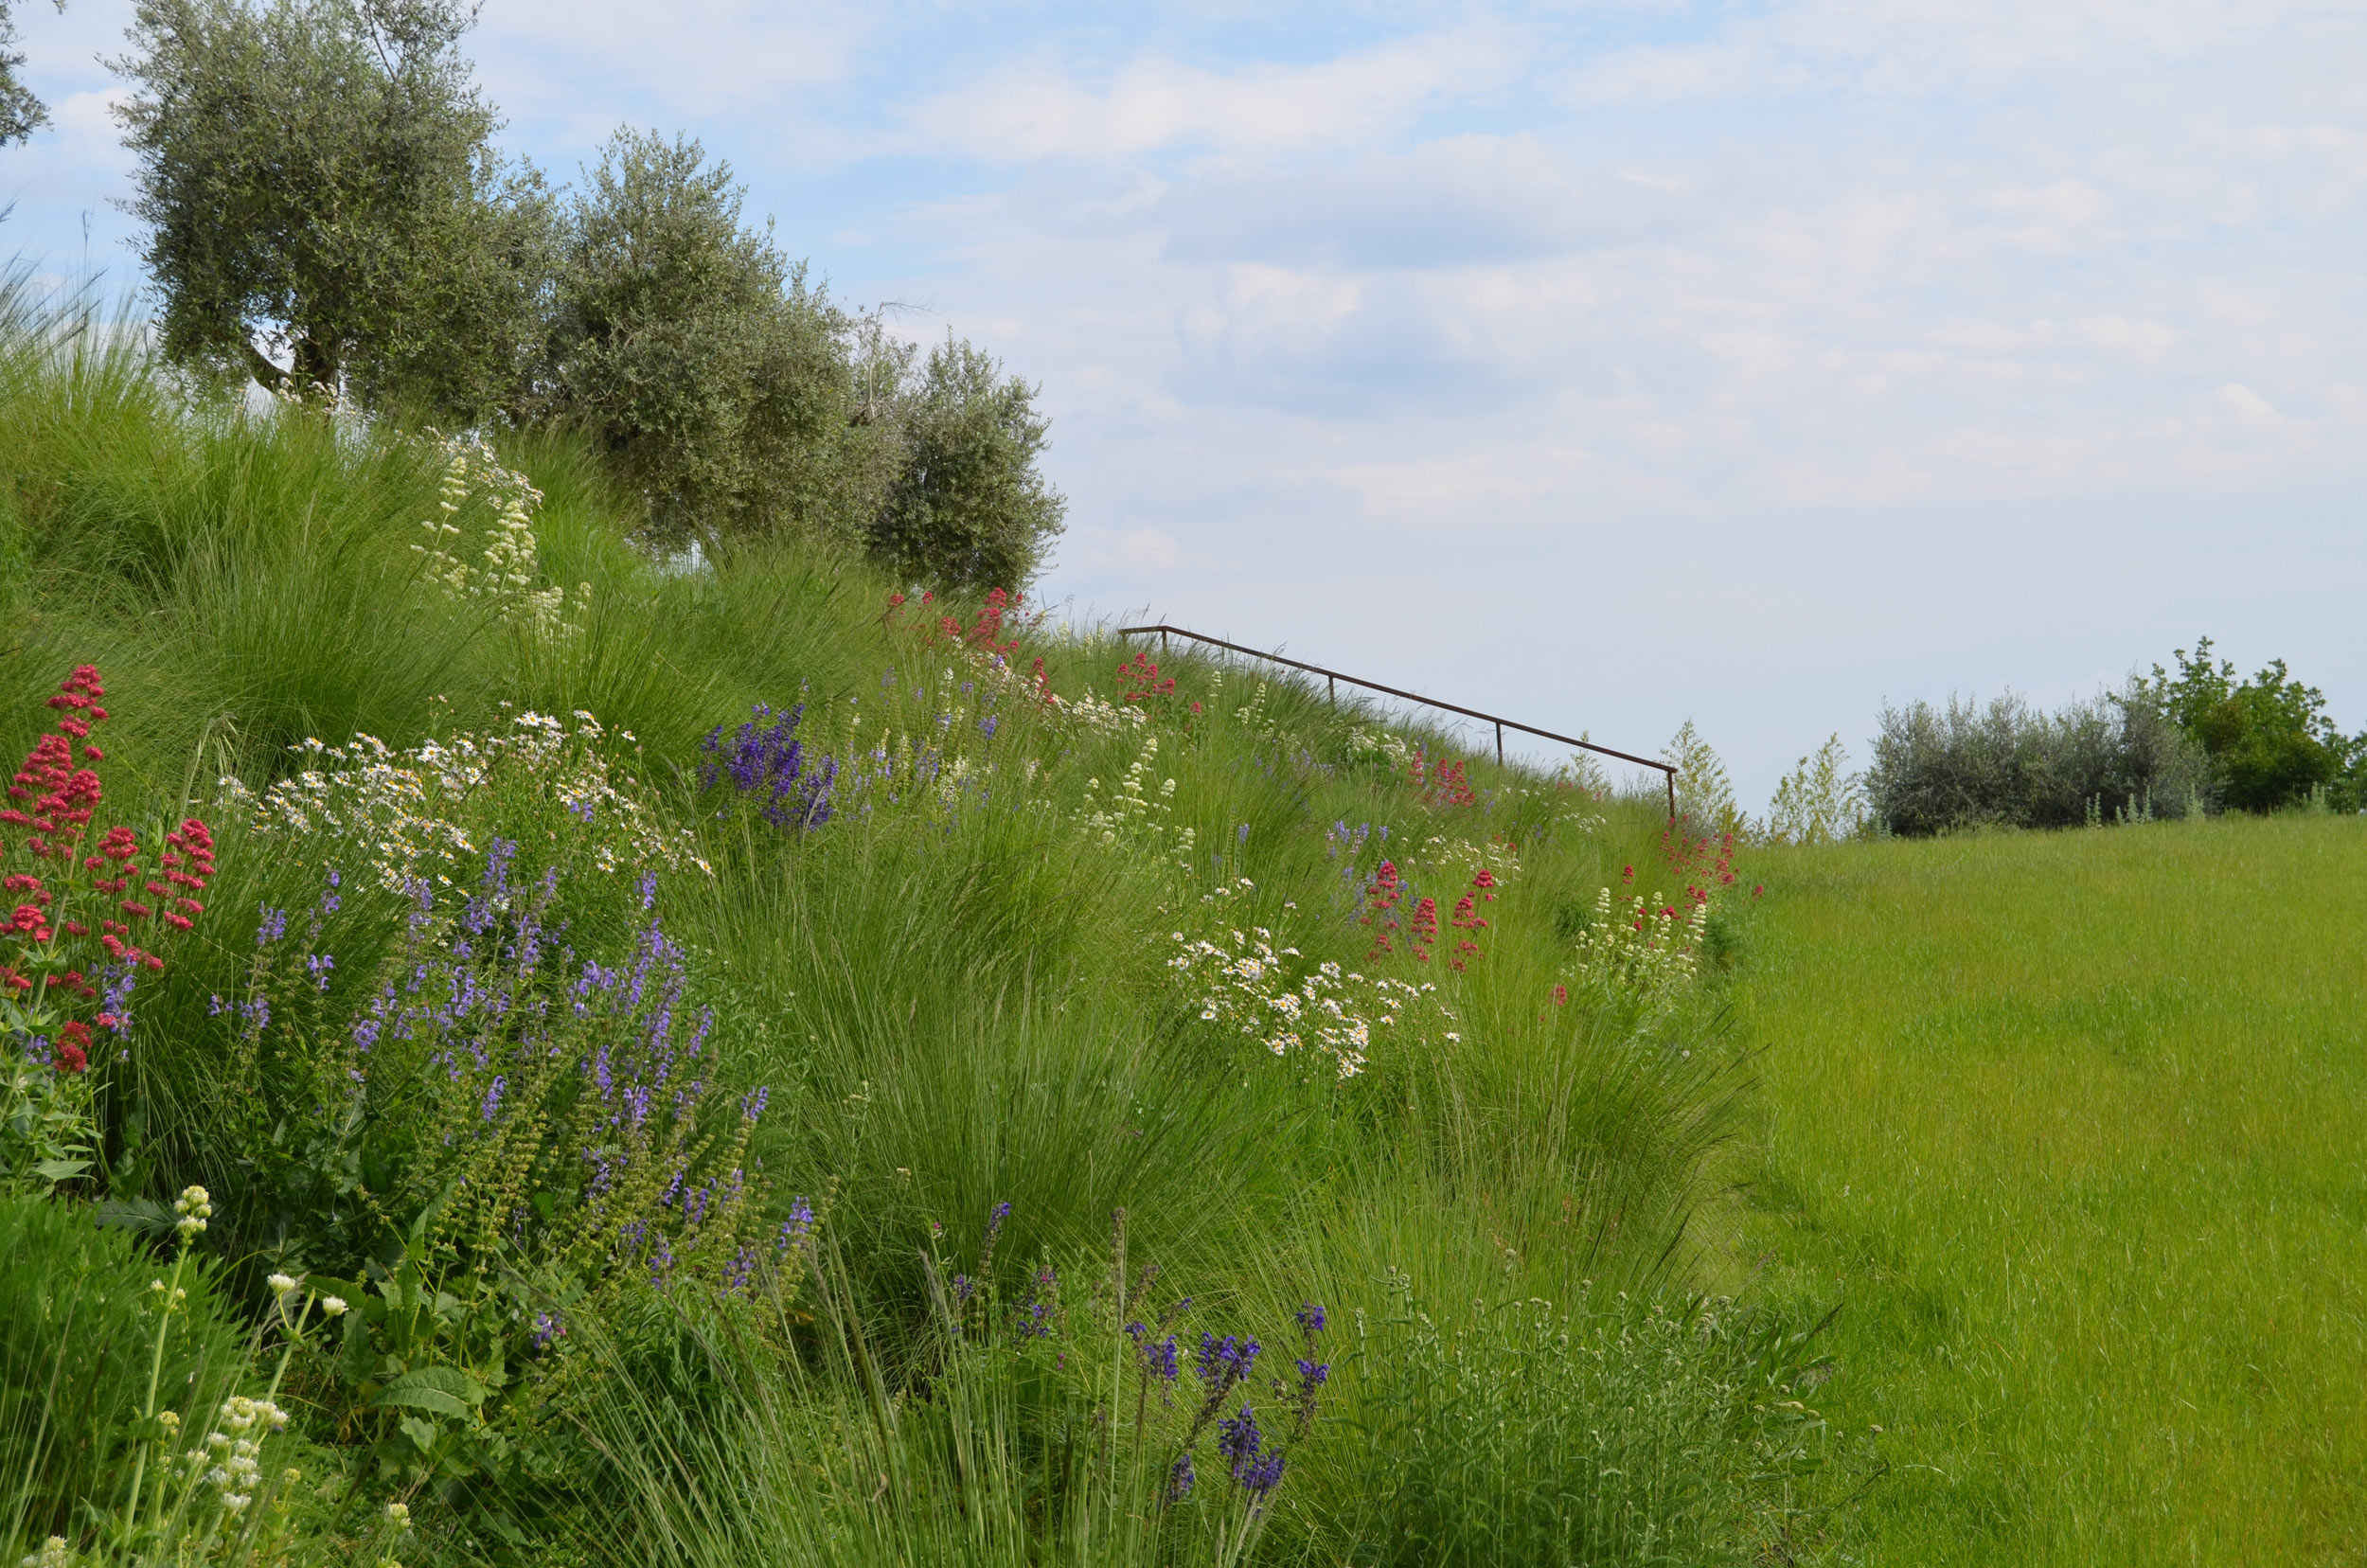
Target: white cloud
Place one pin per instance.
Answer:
(1017, 110)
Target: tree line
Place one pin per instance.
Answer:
(328, 215)
(2170, 744)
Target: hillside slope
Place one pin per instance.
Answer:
(770, 1072)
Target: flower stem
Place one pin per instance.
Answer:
(155, 1374)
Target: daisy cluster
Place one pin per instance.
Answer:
(408, 811)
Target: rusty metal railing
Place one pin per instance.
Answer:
(1334, 678)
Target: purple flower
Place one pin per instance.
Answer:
(1035, 1315)
(1225, 1362)
(493, 1097)
(1158, 1357)
(753, 1106)
(547, 1326)
(1237, 1438)
(274, 926)
(319, 964)
(769, 761)
(1310, 1316)
(1260, 1476)
(1179, 1479)
(798, 1227)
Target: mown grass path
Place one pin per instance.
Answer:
(2077, 1124)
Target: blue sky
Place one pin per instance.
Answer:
(1603, 364)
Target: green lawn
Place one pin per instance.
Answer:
(2076, 1126)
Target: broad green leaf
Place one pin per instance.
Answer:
(443, 1390)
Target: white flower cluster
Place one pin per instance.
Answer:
(54, 1553)
(1466, 859)
(231, 1461)
(195, 1207)
(1133, 815)
(1244, 984)
(1644, 956)
(402, 809)
(1394, 749)
(1097, 714)
(1252, 715)
(506, 582)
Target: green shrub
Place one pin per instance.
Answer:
(2268, 738)
(2006, 764)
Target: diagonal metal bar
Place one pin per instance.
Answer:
(1335, 677)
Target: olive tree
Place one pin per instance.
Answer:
(319, 182)
(969, 508)
(729, 392)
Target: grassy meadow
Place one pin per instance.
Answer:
(2072, 1123)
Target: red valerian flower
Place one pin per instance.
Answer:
(1141, 679)
(72, 1052)
(56, 800)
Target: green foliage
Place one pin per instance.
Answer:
(725, 389)
(319, 181)
(21, 113)
(2270, 739)
(1818, 801)
(77, 1324)
(1705, 795)
(2009, 765)
(970, 510)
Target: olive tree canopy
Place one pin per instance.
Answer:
(319, 181)
(21, 113)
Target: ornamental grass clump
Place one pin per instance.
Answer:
(1117, 1413)
(97, 1346)
(1616, 1429)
